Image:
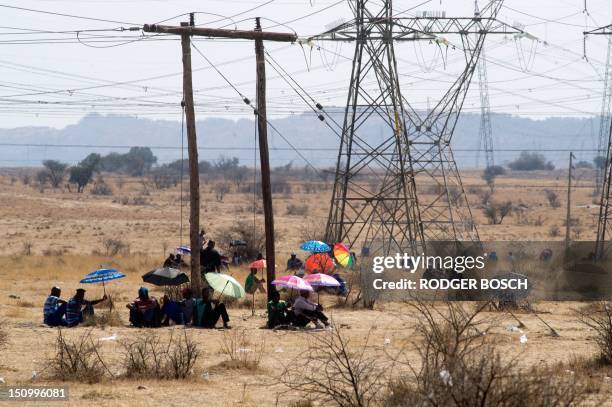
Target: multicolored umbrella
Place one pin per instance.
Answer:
(258, 264)
(319, 263)
(343, 255)
(184, 250)
(321, 280)
(293, 282)
(225, 284)
(315, 246)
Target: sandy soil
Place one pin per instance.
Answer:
(66, 231)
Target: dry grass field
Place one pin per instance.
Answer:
(55, 237)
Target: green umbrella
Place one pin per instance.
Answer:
(225, 284)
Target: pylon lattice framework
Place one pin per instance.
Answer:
(376, 200)
(604, 223)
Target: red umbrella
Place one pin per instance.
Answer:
(319, 263)
(258, 264)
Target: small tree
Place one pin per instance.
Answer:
(530, 162)
(497, 211)
(599, 162)
(490, 173)
(55, 171)
(83, 172)
(552, 198)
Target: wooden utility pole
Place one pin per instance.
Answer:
(185, 31)
(194, 173)
(266, 187)
(568, 218)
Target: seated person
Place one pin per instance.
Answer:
(307, 311)
(179, 262)
(78, 309)
(170, 261)
(253, 283)
(188, 305)
(54, 309)
(294, 263)
(144, 311)
(208, 311)
(171, 311)
(278, 312)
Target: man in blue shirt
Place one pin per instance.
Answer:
(54, 309)
(78, 308)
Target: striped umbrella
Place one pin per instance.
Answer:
(343, 255)
(293, 282)
(321, 280)
(102, 276)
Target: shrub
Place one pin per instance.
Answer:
(297, 210)
(3, 334)
(240, 352)
(530, 162)
(552, 198)
(149, 357)
(249, 233)
(114, 247)
(27, 248)
(101, 188)
(459, 367)
(332, 372)
(600, 321)
(220, 190)
(554, 231)
(495, 212)
(490, 173)
(77, 360)
(55, 171)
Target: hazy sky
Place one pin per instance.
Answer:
(50, 78)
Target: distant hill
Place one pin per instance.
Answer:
(219, 136)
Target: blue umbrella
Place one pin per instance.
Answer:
(102, 276)
(183, 250)
(315, 246)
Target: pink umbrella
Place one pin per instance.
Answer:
(293, 282)
(321, 280)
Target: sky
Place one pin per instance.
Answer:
(54, 69)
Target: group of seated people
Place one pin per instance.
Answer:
(205, 312)
(299, 314)
(58, 312)
(174, 261)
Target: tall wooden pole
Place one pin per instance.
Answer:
(194, 174)
(185, 31)
(266, 188)
(568, 219)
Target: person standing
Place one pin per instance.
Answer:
(210, 259)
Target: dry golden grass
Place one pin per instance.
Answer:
(71, 229)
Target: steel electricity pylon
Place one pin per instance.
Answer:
(486, 131)
(604, 223)
(401, 189)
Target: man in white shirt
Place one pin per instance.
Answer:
(307, 311)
